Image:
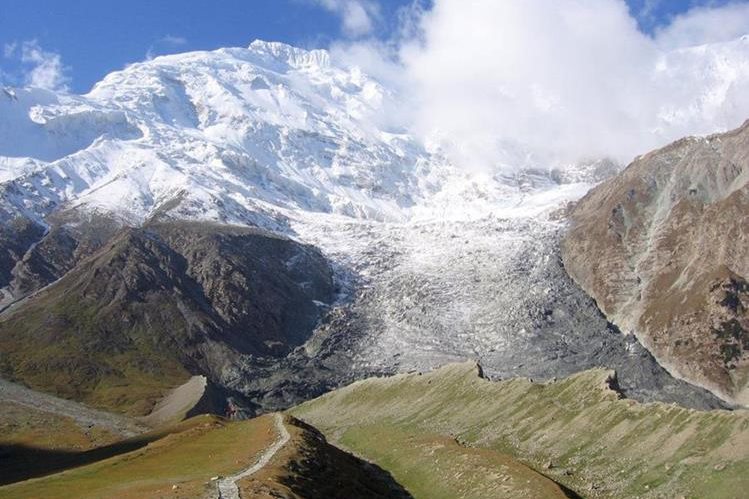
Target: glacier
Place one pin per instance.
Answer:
(437, 261)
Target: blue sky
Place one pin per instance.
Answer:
(653, 13)
(91, 38)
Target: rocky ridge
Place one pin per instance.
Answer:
(662, 248)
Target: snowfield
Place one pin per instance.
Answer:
(234, 134)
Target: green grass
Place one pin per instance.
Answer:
(186, 456)
(24, 426)
(435, 466)
(594, 439)
(77, 350)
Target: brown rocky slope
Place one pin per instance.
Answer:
(664, 250)
(157, 304)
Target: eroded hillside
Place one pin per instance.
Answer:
(663, 248)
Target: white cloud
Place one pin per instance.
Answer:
(9, 49)
(649, 6)
(570, 79)
(706, 25)
(648, 9)
(563, 75)
(36, 67)
(357, 16)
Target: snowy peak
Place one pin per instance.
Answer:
(241, 135)
(293, 56)
(232, 135)
(259, 134)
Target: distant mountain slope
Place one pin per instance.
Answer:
(159, 303)
(575, 430)
(16, 237)
(39, 253)
(664, 250)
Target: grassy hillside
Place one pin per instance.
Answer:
(309, 467)
(187, 456)
(576, 431)
(40, 433)
(24, 432)
(433, 465)
(183, 462)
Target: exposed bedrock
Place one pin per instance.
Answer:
(663, 248)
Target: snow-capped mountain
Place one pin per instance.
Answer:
(245, 135)
(229, 133)
(236, 135)
(435, 261)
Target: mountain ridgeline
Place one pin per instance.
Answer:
(663, 248)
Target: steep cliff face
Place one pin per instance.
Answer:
(664, 250)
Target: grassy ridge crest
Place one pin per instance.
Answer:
(576, 430)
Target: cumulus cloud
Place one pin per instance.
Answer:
(38, 67)
(560, 75)
(567, 79)
(357, 16)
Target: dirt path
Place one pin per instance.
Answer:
(227, 487)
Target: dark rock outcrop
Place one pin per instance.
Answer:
(16, 237)
(70, 237)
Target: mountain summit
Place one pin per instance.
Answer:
(226, 135)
